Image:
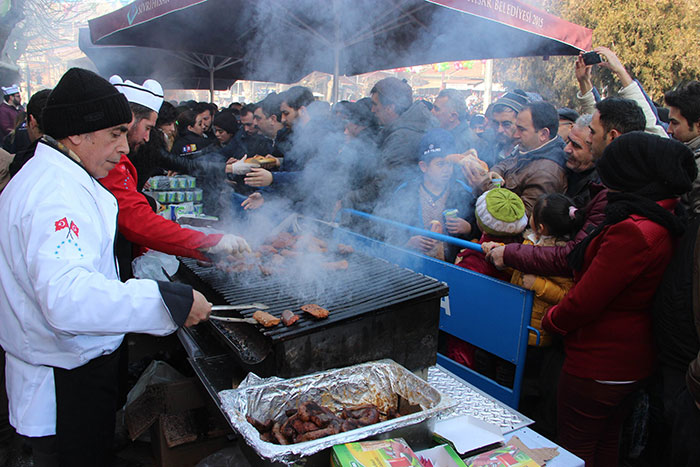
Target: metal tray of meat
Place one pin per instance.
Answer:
(381, 383)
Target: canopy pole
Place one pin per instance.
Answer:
(211, 78)
(336, 54)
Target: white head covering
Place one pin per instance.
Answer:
(9, 90)
(148, 94)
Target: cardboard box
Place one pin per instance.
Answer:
(506, 456)
(440, 456)
(467, 434)
(385, 453)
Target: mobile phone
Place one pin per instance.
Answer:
(591, 58)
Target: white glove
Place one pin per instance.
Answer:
(241, 167)
(230, 244)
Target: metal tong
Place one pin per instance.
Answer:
(229, 319)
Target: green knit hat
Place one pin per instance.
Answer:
(501, 212)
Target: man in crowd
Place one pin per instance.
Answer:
(35, 109)
(138, 224)
(580, 166)
(501, 129)
(567, 118)
(268, 121)
(613, 116)
(537, 166)
(205, 110)
(9, 109)
(403, 125)
(63, 308)
(684, 125)
(247, 141)
(450, 110)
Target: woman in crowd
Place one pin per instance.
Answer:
(191, 130)
(605, 318)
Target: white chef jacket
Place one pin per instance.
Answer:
(61, 301)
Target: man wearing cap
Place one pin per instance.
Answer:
(9, 109)
(567, 118)
(63, 309)
(138, 224)
(502, 123)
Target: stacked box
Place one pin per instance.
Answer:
(178, 194)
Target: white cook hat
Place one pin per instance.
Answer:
(149, 94)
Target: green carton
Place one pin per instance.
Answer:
(385, 453)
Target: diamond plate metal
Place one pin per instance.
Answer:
(472, 401)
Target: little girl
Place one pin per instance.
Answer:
(553, 221)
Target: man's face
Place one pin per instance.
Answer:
(222, 135)
(503, 124)
(16, 99)
(206, 120)
(140, 131)
(264, 125)
(598, 139)
(248, 123)
(288, 115)
(101, 150)
(564, 128)
(679, 128)
(525, 133)
(438, 171)
(445, 115)
(385, 114)
(580, 157)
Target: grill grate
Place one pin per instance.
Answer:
(368, 285)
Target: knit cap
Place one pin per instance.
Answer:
(501, 213)
(83, 102)
(9, 90)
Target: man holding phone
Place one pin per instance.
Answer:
(631, 89)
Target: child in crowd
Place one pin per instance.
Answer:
(500, 214)
(554, 220)
(434, 200)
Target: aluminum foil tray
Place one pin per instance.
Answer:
(471, 401)
(380, 383)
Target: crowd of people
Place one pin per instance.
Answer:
(594, 209)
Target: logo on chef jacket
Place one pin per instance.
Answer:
(72, 235)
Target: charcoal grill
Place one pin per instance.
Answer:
(377, 310)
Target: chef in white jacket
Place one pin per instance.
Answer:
(63, 309)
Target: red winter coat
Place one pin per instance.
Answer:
(141, 226)
(606, 316)
(551, 260)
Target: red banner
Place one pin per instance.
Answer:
(522, 16)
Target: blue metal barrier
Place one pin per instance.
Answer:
(484, 311)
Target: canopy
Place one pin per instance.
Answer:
(284, 40)
(174, 70)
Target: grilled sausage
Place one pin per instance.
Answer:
(335, 265)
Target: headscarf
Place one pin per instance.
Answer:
(641, 169)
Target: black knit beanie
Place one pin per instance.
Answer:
(226, 121)
(647, 165)
(83, 102)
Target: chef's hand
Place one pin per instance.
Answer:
(230, 244)
(254, 201)
(200, 311)
(457, 226)
(496, 257)
(259, 177)
(420, 243)
(229, 164)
